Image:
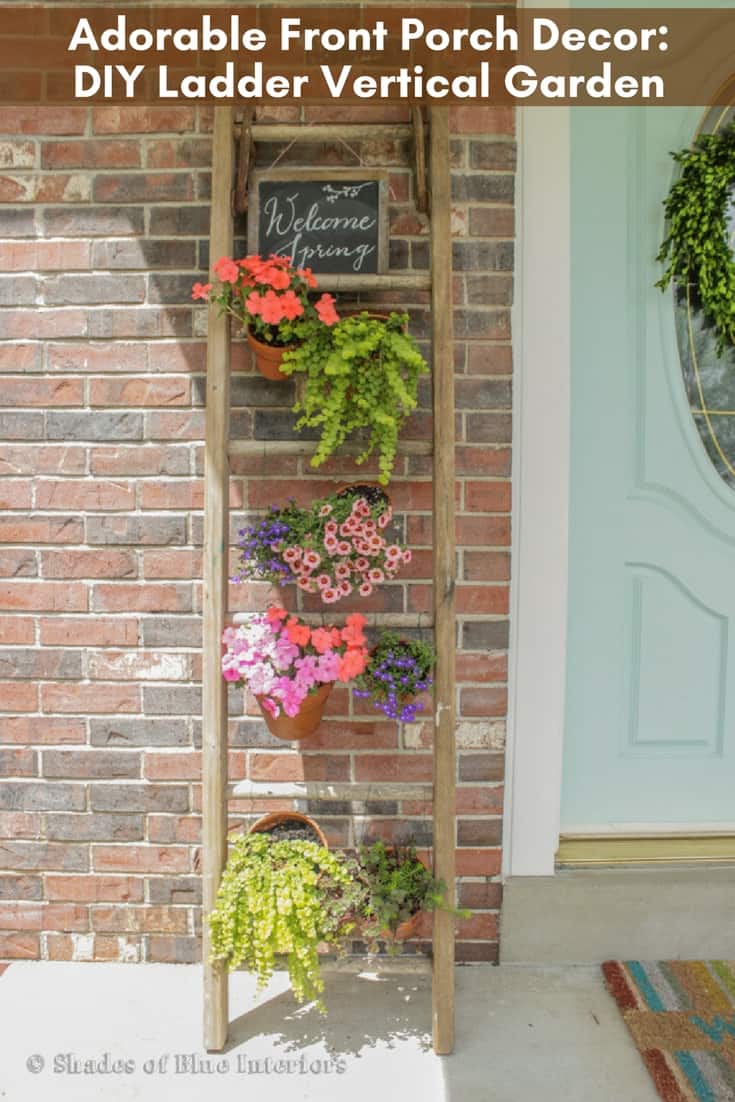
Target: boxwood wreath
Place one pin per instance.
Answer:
(696, 250)
(361, 373)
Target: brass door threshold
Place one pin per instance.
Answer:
(629, 849)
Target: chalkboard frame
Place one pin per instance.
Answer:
(325, 175)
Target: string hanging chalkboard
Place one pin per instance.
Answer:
(328, 220)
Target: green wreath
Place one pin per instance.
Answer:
(697, 250)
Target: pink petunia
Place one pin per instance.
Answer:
(227, 270)
(201, 290)
(325, 309)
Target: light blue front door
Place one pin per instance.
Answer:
(650, 705)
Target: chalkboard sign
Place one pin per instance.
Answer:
(331, 221)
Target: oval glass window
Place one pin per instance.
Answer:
(709, 378)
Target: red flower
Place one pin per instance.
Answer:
(353, 634)
(201, 290)
(291, 307)
(253, 303)
(307, 275)
(271, 310)
(353, 663)
(275, 614)
(297, 633)
(325, 309)
(227, 270)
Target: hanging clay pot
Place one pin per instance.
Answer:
(270, 824)
(268, 358)
(306, 720)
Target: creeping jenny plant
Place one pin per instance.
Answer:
(361, 373)
(280, 898)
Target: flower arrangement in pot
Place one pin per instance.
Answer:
(361, 373)
(333, 548)
(396, 888)
(290, 668)
(270, 298)
(282, 897)
(397, 671)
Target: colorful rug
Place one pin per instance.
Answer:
(681, 1015)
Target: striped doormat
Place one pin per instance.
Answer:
(681, 1015)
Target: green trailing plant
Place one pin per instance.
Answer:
(360, 373)
(696, 250)
(395, 885)
(282, 897)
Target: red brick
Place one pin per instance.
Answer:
(52, 188)
(18, 696)
(21, 824)
(19, 946)
(43, 120)
(487, 497)
(41, 530)
(122, 597)
(88, 564)
(176, 425)
(91, 154)
(32, 391)
(49, 730)
(89, 631)
(482, 926)
(483, 702)
(486, 566)
(43, 596)
(482, 667)
(488, 531)
(139, 392)
(393, 767)
(175, 828)
(140, 120)
(15, 495)
(84, 496)
(59, 947)
(45, 459)
(478, 862)
(483, 800)
(481, 460)
(97, 358)
(288, 767)
(182, 564)
(94, 889)
(44, 256)
(43, 324)
(181, 357)
(148, 919)
(149, 460)
(483, 598)
(18, 357)
(182, 494)
(485, 121)
(16, 629)
(146, 859)
(79, 699)
(43, 916)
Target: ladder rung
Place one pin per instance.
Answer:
(328, 790)
(326, 132)
(382, 281)
(308, 447)
(404, 620)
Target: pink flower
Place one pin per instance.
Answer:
(323, 581)
(362, 564)
(329, 596)
(252, 303)
(322, 640)
(330, 544)
(365, 589)
(275, 614)
(291, 306)
(227, 270)
(394, 551)
(325, 510)
(342, 571)
(343, 548)
(407, 556)
(201, 290)
(305, 583)
(231, 674)
(269, 705)
(325, 309)
(312, 559)
(376, 575)
(384, 520)
(330, 528)
(345, 588)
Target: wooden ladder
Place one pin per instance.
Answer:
(219, 449)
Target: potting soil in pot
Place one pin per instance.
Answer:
(293, 830)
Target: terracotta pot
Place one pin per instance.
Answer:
(266, 824)
(306, 720)
(404, 932)
(268, 358)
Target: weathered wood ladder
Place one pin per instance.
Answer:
(218, 449)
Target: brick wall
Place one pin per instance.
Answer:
(103, 229)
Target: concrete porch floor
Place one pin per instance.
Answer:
(524, 1033)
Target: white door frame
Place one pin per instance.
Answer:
(540, 477)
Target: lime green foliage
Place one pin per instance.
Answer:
(396, 886)
(281, 898)
(697, 249)
(361, 373)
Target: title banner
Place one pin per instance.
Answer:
(363, 54)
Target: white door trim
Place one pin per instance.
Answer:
(539, 561)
